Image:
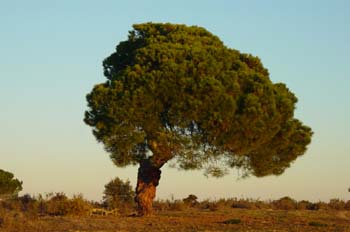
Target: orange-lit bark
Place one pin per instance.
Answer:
(147, 181)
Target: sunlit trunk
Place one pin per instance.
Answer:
(147, 181)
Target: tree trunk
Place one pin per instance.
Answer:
(147, 181)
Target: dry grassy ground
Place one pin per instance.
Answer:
(190, 220)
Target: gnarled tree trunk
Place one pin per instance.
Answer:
(147, 181)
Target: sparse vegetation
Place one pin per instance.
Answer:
(53, 204)
(57, 212)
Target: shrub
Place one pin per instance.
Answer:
(209, 205)
(321, 206)
(57, 205)
(285, 203)
(304, 205)
(60, 205)
(118, 194)
(313, 206)
(79, 206)
(336, 204)
(26, 199)
(29, 205)
(347, 205)
(262, 205)
(191, 200)
(243, 204)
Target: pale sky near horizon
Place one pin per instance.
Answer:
(50, 58)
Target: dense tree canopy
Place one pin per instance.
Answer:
(9, 186)
(175, 92)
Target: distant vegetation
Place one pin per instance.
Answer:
(25, 212)
(58, 204)
(9, 186)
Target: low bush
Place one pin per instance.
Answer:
(336, 204)
(243, 204)
(209, 205)
(61, 205)
(191, 200)
(119, 194)
(304, 205)
(321, 206)
(347, 205)
(262, 205)
(54, 204)
(285, 203)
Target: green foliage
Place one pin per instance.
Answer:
(118, 194)
(175, 92)
(9, 186)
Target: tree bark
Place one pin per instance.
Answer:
(147, 181)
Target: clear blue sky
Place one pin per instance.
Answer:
(50, 58)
